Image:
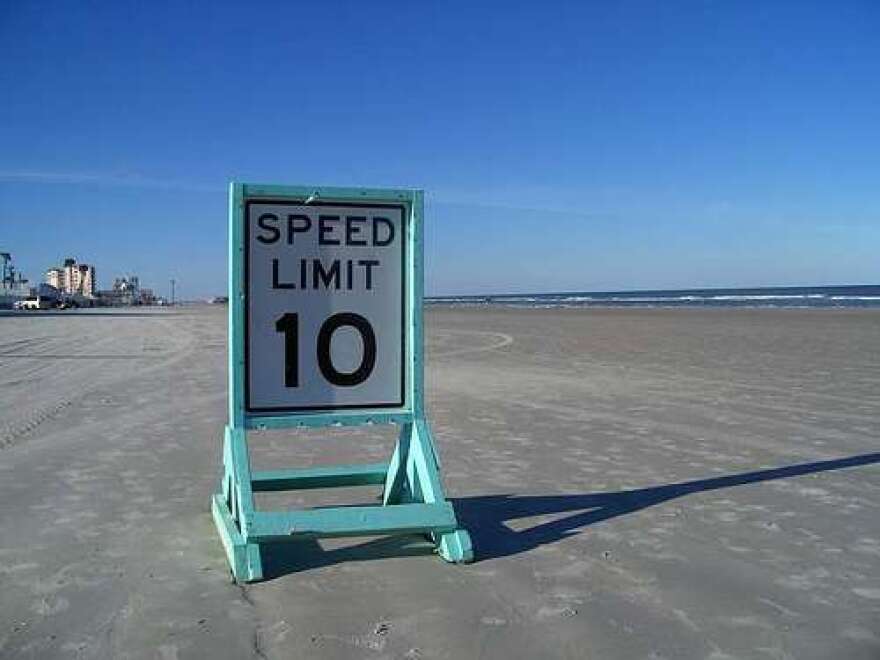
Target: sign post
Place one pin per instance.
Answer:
(325, 329)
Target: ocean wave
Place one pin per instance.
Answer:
(769, 296)
(832, 297)
(874, 298)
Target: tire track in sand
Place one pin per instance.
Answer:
(16, 431)
(502, 340)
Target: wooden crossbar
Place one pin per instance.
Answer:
(352, 521)
(319, 477)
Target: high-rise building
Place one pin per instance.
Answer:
(84, 280)
(55, 277)
(73, 278)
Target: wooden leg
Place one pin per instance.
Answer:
(396, 489)
(421, 478)
(456, 547)
(233, 509)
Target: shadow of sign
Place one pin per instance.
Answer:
(485, 516)
(287, 557)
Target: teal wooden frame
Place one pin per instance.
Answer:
(413, 498)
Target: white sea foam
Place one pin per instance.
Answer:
(874, 298)
(780, 299)
(769, 296)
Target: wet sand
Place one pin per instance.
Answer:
(638, 483)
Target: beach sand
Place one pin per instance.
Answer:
(638, 483)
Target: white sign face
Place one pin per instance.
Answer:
(324, 313)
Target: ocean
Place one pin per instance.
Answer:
(812, 297)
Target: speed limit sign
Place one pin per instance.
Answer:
(326, 329)
(325, 288)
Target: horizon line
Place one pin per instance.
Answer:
(628, 291)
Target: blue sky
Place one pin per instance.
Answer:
(563, 146)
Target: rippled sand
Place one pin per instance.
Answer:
(639, 484)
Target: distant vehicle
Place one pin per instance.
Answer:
(34, 302)
(219, 300)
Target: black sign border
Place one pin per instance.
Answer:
(248, 201)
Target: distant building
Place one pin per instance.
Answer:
(13, 287)
(130, 284)
(81, 279)
(52, 293)
(73, 278)
(126, 292)
(55, 278)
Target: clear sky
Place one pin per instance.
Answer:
(563, 146)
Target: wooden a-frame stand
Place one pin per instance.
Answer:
(413, 499)
(413, 502)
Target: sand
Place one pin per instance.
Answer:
(638, 483)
